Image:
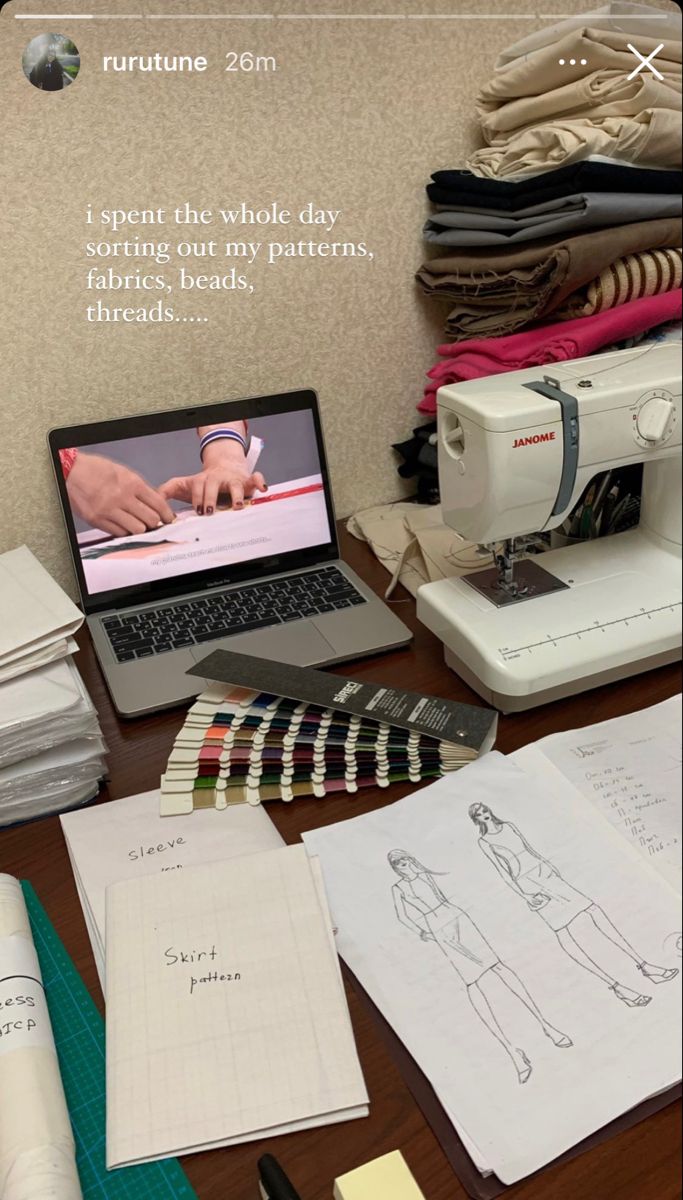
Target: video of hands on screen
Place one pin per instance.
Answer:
(169, 504)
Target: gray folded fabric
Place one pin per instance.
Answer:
(495, 290)
(587, 210)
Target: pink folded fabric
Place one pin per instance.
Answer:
(547, 343)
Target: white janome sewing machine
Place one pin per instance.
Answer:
(516, 452)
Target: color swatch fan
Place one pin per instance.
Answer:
(300, 732)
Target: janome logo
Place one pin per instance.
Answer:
(533, 440)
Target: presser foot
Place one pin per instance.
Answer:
(528, 583)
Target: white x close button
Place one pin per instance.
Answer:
(645, 61)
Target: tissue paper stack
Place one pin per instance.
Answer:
(51, 748)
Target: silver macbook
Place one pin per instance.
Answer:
(208, 527)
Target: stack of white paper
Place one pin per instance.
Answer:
(60, 778)
(127, 839)
(51, 748)
(38, 618)
(44, 708)
(226, 1015)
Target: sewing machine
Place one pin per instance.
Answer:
(516, 453)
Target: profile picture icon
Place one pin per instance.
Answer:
(51, 62)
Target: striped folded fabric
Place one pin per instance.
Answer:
(634, 277)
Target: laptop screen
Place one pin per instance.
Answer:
(233, 491)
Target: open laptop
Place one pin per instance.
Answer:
(207, 527)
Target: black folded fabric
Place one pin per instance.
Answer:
(421, 462)
(460, 188)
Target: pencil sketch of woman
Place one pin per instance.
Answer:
(424, 909)
(573, 917)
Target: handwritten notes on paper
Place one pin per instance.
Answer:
(24, 1019)
(194, 958)
(226, 1016)
(127, 838)
(630, 768)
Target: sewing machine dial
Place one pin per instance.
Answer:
(654, 418)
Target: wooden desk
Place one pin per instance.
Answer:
(642, 1164)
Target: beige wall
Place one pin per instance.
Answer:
(356, 117)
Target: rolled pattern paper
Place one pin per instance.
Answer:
(37, 1154)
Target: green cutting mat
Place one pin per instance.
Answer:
(79, 1036)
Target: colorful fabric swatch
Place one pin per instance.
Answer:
(244, 747)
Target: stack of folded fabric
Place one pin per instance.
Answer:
(475, 211)
(653, 319)
(494, 291)
(51, 748)
(572, 91)
(567, 224)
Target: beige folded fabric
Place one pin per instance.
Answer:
(619, 16)
(594, 97)
(414, 545)
(601, 50)
(630, 278)
(497, 290)
(651, 139)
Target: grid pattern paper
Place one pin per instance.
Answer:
(226, 1018)
(79, 1037)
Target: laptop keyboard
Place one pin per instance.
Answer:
(191, 622)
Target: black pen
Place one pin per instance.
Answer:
(274, 1183)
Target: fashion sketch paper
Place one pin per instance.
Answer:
(521, 950)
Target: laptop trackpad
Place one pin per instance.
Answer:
(299, 643)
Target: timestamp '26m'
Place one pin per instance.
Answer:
(249, 62)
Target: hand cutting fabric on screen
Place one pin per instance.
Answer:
(110, 496)
(225, 470)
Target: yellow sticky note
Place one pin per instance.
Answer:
(386, 1178)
